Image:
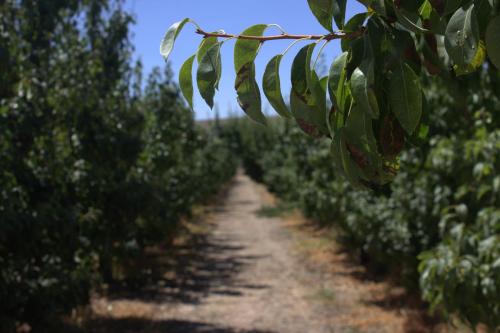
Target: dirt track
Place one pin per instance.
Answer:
(254, 274)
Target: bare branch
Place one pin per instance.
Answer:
(328, 37)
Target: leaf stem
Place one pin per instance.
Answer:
(293, 43)
(319, 52)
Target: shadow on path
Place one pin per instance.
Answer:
(130, 325)
(207, 263)
(189, 273)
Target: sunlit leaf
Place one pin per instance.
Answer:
(363, 94)
(205, 45)
(338, 89)
(300, 70)
(476, 62)
(425, 10)
(167, 44)
(462, 36)
(208, 74)
(245, 50)
(248, 93)
(306, 101)
(323, 11)
(272, 86)
(186, 80)
(339, 9)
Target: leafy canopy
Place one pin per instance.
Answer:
(371, 104)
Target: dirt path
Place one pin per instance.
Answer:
(251, 274)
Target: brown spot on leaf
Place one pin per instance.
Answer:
(431, 41)
(438, 5)
(411, 54)
(308, 128)
(391, 136)
(243, 75)
(358, 156)
(431, 67)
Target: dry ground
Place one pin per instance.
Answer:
(247, 273)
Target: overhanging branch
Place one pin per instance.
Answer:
(327, 37)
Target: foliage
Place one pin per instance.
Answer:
(91, 170)
(438, 223)
(409, 70)
(375, 104)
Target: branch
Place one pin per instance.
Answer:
(328, 37)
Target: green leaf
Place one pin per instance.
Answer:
(336, 81)
(362, 93)
(338, 90)
(484, 9)
(205, 45)
(339, 8)
(167, 44)
(362, 144)
(410, 20)
(208, 74)
(323, 11)
(308, 99)
(493, 41)
(379, 6)
(405, 97)
(186, 80)
(305, 81)
(356, 49)
(318, 92)
(451, 6)
(355, 23)
(248, 93)
(359, 129)
(301, 70)
(272, 86)
(245, 50)
(462, 36)
(420, 135)
(306, 116)
(343, 159)
(425, 10)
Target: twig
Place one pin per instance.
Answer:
(327, 37)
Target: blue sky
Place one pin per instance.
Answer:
(155, 16)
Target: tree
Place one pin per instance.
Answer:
(91, 171)
(376, 103)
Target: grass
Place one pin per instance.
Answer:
(278, 210)
(315, 244)
(323, 295)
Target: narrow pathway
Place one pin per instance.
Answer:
(246, 275)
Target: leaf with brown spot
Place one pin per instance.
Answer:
(391, 136)
(248, 93)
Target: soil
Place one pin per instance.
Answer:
(246, 272)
